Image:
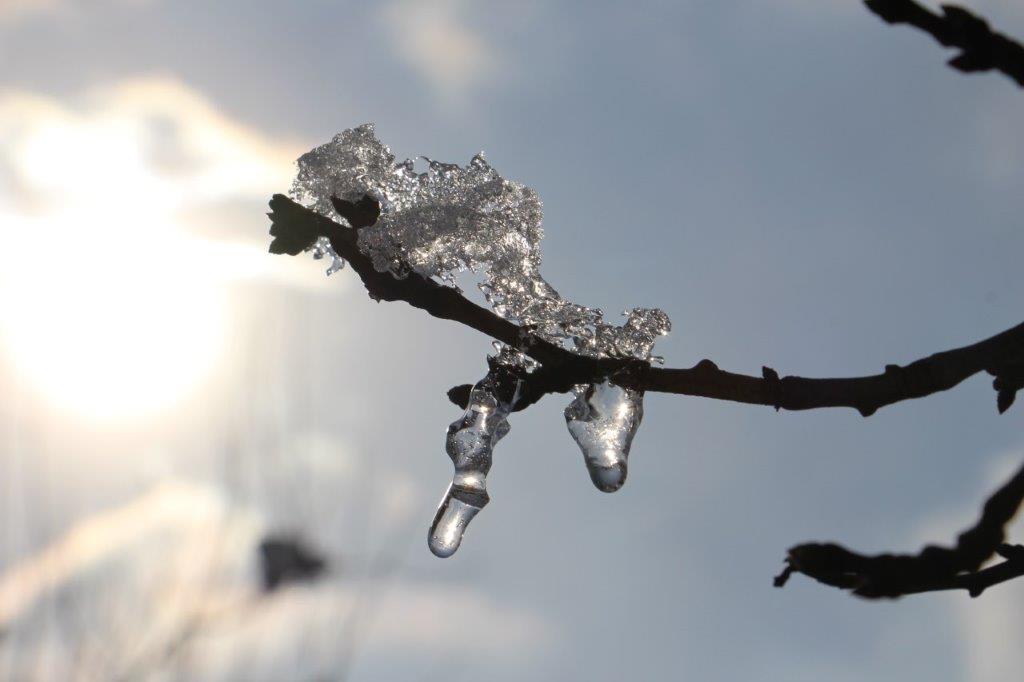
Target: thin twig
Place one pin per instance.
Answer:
(296, 228)
(981, 48)
(933, 568)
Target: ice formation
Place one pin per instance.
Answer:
(322, 248)
(453, 218)
(602, 419)
(470, 444)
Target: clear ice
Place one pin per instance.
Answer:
(602, 419)
(322, 248)
(470, 445)
(453, 218)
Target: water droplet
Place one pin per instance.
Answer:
(470, 445)
(321, 248)
(602, 419)
(450, 522)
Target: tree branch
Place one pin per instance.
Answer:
(296, 228)
(932, 569)
(981, 48)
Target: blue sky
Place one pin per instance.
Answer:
(797, 184)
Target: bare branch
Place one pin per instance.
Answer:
(296, 228)
(933, 569)
(982, 49)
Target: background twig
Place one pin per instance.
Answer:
(933, 568)
(981, 48)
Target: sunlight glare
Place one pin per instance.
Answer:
(111, 326)
(107, 307)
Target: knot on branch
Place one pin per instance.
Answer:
(459, 395)
(981, 48)
(773, 386)
(359, 214)
(974, 37)
(1009, 378)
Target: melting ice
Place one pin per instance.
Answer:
(602, 419)
(451, 218)
(470, 445)
(322, 248)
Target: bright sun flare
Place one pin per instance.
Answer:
(107, 307)
(112, 332)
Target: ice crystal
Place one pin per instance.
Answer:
(451, 218)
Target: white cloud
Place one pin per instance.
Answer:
(435, 39)
(165, 587)
(137, 140)
(16, 9)
(992, 625)
(111, 215)
(999, 147)
(12, 10)
(420, 622)
(118, 587)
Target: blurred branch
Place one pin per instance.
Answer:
(933, 568)
(296, 228)
(981, 48)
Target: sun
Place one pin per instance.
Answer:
(113, 324)
(115, 277)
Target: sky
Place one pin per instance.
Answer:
(795, 183)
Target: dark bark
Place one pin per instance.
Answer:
(296, 228)
(933, 568)
(981, 48)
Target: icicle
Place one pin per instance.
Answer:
(322, 248)
(451, 218)
(602, 419)
(470, 444)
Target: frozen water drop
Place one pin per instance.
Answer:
(602, 419)
(470, 445)
(453, 515)
(336, 265)
(442, 219)
(323, 248)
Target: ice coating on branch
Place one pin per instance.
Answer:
(602, 419)
(470, 444)
(322, 248)
(450, 218)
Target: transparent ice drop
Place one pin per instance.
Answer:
(470, 444)
(322, 248)
(602, 419)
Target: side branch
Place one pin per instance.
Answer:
(981, 48)
(296, 228)
(932, 569)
